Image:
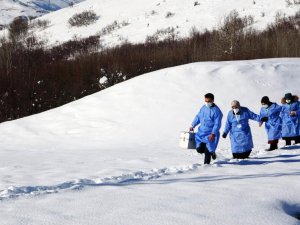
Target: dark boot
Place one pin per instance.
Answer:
(297, 140)
(207, 156)
(288, 142)
(243, 155)
(214, 156)
(272, 147)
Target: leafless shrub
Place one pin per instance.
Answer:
(40, 24)
(291, 3)
(112, 27)
(296, 2)
(196, 3)
(83, 19)
(18, 28)
(169, 14)
(2, 27)
(163, 34)
(153, 12)
(288, 2)
(109, 28)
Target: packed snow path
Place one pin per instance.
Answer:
(289, 155)
(134, 177)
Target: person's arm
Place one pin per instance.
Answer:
(278, 109)
(227, 126)
(298, 110)
(281, 112)
(263, 117)
(196, 121)
(217, 122)
(253, 116)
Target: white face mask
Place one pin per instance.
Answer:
(288, 101)
(236, 110)
(264, 106)
(209, 104)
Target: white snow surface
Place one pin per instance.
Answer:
(138, 19)
(10, 9)
(113, 157)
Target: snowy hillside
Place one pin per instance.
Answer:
(113, 157)
(9, 9)
(134, 20)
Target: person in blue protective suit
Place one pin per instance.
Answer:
(209, 119)
(240, 133)
(297, 140)
(290, 119)
(270, 115)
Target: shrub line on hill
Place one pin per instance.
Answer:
(34, 78)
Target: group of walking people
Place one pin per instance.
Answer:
(281, 121)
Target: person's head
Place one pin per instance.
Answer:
(235, 105)
(209, 99)
(288, 97)
(265, 102)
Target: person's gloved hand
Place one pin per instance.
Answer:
(224, 135)
(211, 137)
(264, 119)
(292, 113)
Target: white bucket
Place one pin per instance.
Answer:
(187, 140)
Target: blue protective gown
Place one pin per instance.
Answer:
(290, 124)
(210, 121)
(240, 132)
(274, 124)
(298, 115)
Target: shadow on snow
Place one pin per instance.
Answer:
(291, 209)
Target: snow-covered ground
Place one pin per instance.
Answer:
(113, 157)
(9, 9)
(134, 20)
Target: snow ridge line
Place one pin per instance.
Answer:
(78, 184)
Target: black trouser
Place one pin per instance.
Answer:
(273, 145)
(288, 140)
(207, 155)
(243, 155)
(297, 139)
